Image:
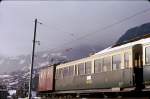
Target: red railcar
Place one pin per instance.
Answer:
(46, 79)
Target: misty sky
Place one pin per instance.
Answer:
(65, 23)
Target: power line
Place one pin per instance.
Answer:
(104, 28)
(113, 24)
(59, 29)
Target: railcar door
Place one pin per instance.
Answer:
(138, 67)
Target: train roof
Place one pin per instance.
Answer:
(109, 49)
(75, 61)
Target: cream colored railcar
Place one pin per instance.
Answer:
(122, 66)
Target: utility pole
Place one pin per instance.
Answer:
(32, 63)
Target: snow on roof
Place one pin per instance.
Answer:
(142, 41)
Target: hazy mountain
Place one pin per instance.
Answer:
(44, 58)
(135, 32)
(15, 70)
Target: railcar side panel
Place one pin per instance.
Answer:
(146, 67)
(118, 78)
(49, 79)
(146, 74)
(41, 84)
(46, 79)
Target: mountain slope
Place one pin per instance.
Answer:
(23, 62)
(135, 32)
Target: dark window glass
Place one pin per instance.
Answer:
(71, 70)
(126, 60)
(88, 66)
(76, 69)
(81, 68)
(107, 64)
(116, 62)
(147, 52)
(98, 65)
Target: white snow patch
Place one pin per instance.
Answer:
(14, 58)
(45, 55)
(11, 92)
(22, 61)
(4, 76)
(25, 68)
(56, 54)
(64, 56)
(26, 74)
(13, 83)
(44, 63)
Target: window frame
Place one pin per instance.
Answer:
(63, 69)
(129, 59)
(59, 74)
(115, 60)
(83, 68)
(146, 55)
(71, 73)
(110, 57)
(89, 66)
(100, 59)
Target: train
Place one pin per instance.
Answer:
(119, 68)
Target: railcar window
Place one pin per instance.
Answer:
(88, 67)
(81, 68)
(60, 73)
(116, 59)
(65, 72)
(76, 70)
(98, 65)
(71, 70)
(57, 73)
(126, 60)
(107, 64)
(147, 52)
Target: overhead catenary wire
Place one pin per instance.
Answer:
(100, 30)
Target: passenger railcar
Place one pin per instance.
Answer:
(121, 68)
(46, 78)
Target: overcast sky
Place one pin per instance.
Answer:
(65, 23)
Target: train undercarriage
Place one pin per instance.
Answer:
(90, 94)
